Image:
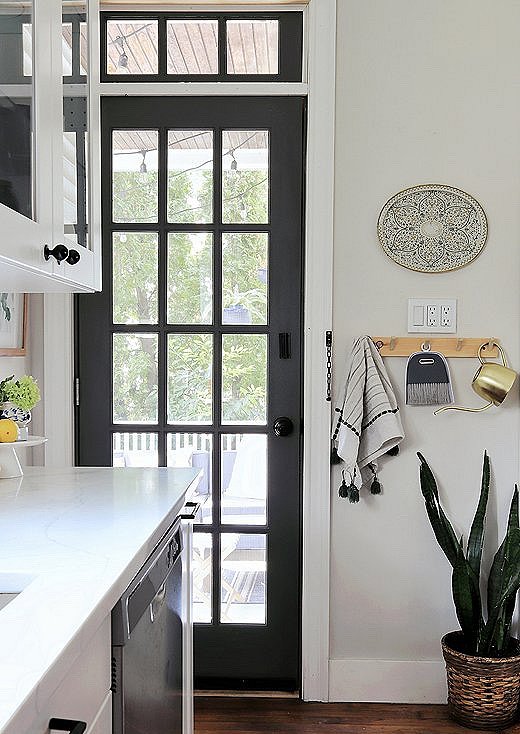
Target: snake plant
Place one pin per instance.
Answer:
(484, 608)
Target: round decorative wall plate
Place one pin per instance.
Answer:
(432, 228)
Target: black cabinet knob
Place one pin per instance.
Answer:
(73, 257)
(283, 426)
(59, 252)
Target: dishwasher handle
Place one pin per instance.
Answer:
(145, 586)
(69, 725)
(190, 510)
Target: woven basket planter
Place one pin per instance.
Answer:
(483, 693)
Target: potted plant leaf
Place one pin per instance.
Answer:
(482, 658)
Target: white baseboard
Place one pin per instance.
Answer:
(387, 681)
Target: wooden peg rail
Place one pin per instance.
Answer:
(403, 346)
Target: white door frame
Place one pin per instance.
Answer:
(58, 342)
(317, 320)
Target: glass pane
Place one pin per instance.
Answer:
(192, 46)
(243, 464)
(27, 48)
(132, 47)
(83, 48)
(194, 450)
(135, 449)
(190, 378)
(134, 160)
(244, 277)
(66, 44)
(15, 108)
(135, 277)
(75, 169)
(245, 176)
(190, 278)
(244, 378)
(135, 378)
(70, 180)
(243, 578)
(202, 577)
(252, 46)
(190, 176)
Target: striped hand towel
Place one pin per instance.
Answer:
(368, 423)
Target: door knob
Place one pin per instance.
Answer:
(73, 257)
(59, 252)
(283, 426)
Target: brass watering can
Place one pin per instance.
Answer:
(492, 381)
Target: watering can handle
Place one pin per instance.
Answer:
(459, 407)
(492, 344)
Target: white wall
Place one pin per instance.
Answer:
(426, 92)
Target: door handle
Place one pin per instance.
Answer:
(283, 426)
(73, 727)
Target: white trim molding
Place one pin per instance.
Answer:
(58, 353)
(318, 319)
(202, 89)
(388, 681)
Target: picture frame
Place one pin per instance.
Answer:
(13, 324)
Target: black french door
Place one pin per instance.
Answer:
(191, 354)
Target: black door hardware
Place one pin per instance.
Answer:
(283, 426)
(284, 341)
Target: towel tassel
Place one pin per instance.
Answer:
(375, 487)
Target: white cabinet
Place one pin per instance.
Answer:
(46, 113)
(83, 690)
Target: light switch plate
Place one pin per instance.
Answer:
(432, 315)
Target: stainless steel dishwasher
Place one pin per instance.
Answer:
(147, 645)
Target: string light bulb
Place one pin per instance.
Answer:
(143, 167)
(119, 42)
(234, 163)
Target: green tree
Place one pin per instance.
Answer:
(189, 297)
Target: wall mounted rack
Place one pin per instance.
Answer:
(403, 346)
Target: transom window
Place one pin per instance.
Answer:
(202, 47)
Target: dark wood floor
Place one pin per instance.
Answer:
(215, 715)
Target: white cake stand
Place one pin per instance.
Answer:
(9, 465)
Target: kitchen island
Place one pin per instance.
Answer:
(71, 540)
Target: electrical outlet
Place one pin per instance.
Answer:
(446, 316)
(433, 315)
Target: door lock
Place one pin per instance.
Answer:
(283, 426)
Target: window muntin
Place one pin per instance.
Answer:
(161, 47)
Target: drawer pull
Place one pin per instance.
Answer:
(73, 727)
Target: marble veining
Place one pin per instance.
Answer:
(72, 539)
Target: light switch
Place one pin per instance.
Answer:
(418, 316)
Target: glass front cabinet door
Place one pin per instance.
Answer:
(45, 116)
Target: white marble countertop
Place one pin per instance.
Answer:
(80, 535)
